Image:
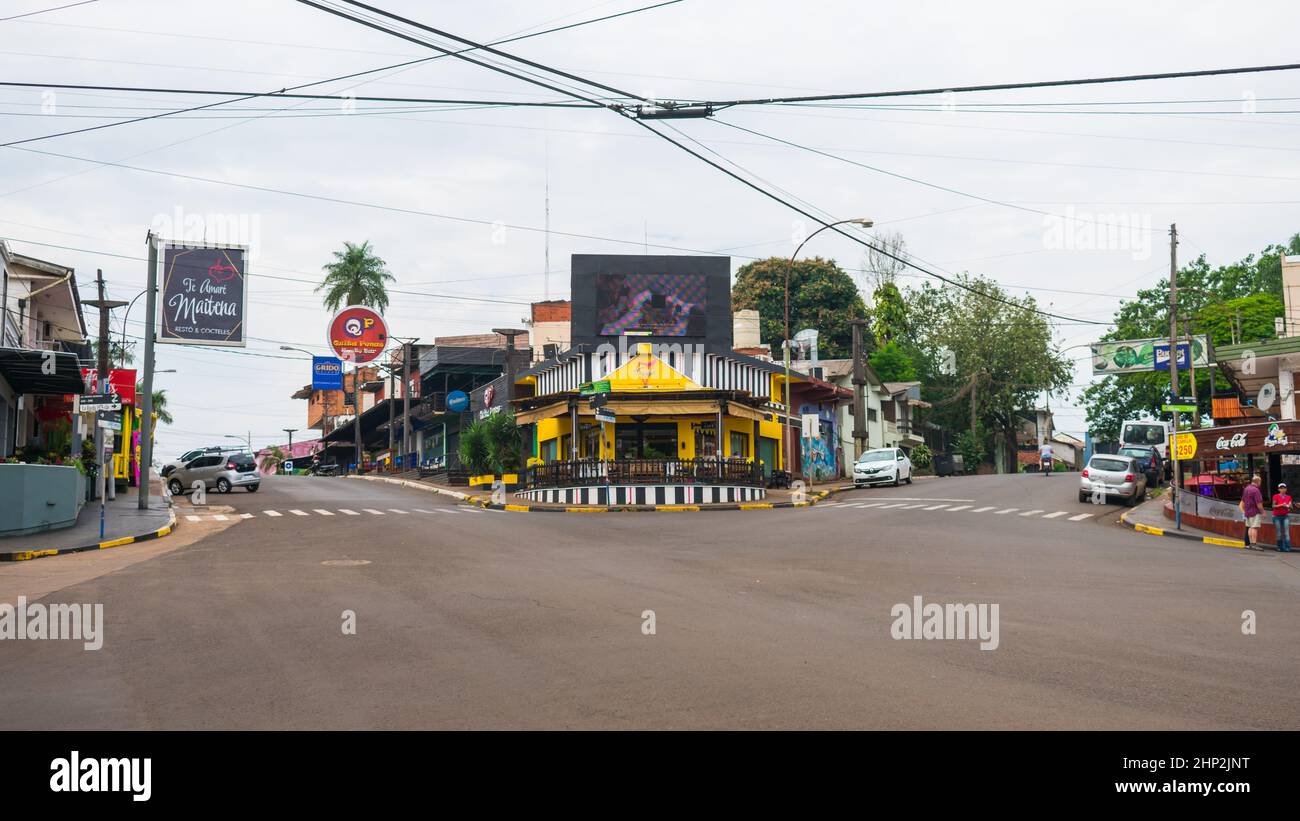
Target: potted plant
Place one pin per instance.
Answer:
(475, 450)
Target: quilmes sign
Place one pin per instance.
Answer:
(204, 294)
(1145, 355)
(326, 373)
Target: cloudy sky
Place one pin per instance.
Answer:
(452, 196)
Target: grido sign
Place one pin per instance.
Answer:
(204, 294)
(358, 334)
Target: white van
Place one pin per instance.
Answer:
(1147, 433)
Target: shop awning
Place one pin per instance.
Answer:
(745, 412)
(682, 407)
(29, 371)
(545, 412)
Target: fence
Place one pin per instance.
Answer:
(705, 471)
(1208, 506)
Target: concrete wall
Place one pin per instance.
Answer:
(39, 497)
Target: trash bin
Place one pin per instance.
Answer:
(943, 464)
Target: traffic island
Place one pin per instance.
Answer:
(1149, 518)
(124, 524)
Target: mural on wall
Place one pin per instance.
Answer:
(819, 460)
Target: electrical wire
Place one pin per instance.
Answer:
(47, 11)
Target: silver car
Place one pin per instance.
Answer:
(1113, 476)
(223, 472)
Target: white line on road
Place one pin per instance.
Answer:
(982, 509)
(914, 507)
(1030, 512)
(395, 510)
(1081, 517)
(1008, 510)
(272, 513)
(323, 512)
(1056, 514)
(299, 513)
(936, 507)
(957, 508)
(193, 519)
(865, 506)
(372, 510)
(923, 499)
(887, 507)
(245, 515)
(219, 517)
(349, 512)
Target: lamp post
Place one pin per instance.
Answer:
(789, 445)
(242, 439)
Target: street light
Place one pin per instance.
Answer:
(241, 438)
(789, 447)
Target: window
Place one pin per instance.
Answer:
(739, 444)
(872, 415)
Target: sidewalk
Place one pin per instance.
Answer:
(1149, 517)
(124, 523)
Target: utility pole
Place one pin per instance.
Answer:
(1173, 370)
(356, 413)
(146, 418)
(104, 305)
(392, 408)
(1191, 372)
(289, 431)
(406, 401)
(860, 442)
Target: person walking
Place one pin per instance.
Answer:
(1252, 507)
(1282, 518)
(1045, 457)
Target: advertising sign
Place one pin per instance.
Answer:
(644, 304)
(358, 334)
(122, 383)
(326, 373)
(1184, 445)
(457, 401)
(1144, 355)
(203, 295)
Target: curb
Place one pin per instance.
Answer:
(486, 503)
(416, 485)
(25, 555)
(1174, 534)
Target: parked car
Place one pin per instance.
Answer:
(882, 466)
(1148, 433)
(223, 472)
(215, 450)
(1149, 460)
(1117, 476)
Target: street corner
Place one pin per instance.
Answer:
(1149, 518)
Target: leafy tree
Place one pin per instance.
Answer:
(970, 444)
(504, 445)
(274, 459)
(475, 448)
(822, 296)
(891, 364)
(118, 356)
(159, 403)
(356, 277)
(890, 310)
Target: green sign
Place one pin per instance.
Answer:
(1179, 408)
(1143, 355)
(590, 388)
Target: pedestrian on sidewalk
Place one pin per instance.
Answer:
(1045, 457)
(1282, 518)
(1252, 507)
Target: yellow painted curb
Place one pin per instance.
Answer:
(518, 508)
(1225, 542)
(1148, 529)
(756, 506)
(676, 508)
(27, 555)
(584, 510)
(116, 542)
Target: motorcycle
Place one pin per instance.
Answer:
(322, 470)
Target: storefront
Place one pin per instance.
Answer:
(1225, 458)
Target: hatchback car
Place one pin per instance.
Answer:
(882, 466)
(1148, 459)
(216, 471)
(1118, 476)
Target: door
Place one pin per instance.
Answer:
(767, 452)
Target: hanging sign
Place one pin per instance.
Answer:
(358, 334)
(203, 294)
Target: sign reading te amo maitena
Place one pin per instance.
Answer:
(204, 294)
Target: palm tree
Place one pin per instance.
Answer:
(159, 402)
(356, 277)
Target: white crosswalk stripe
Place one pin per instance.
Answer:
(245, 515)
(348, 512)
(193, 518)
(219, 517)
(1081, 517)
(957, 508)
(323, 512)
(395, 510)
(1057, 513)
(914, 507)
(272, 513)
(861, 506)
(299, 513)
(372, 510)
(1030, 512)
(936, 507)
(887, 507)
(1008, 510)
(982, 509)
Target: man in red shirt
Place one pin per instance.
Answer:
(1252, 507)
(1282, 518)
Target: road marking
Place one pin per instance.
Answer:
(867, 505)
(245, 515)
(395, 510)
(982, 509)
(957, 508)
(1057, 513)
(887, 507)
(936, 507)
(299, 513)
(1082, 516)
(323, 512)
(924, 499)
(422, 510)
(349, 512)
(219, 517)
(272, 513)
(193, 518)
(372, 510)
(914, 507)
(1008, 510)
(1030, 512)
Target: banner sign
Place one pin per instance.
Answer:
(457, 401)
(358, 334)
(326, 373)
(1146, 355)
(1259, 437)
(100, 402)
(122, 383)
(203, 295)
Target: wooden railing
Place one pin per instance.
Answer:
(703, 471)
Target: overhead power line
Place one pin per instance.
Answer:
(47, 11)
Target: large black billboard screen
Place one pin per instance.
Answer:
(642, 304)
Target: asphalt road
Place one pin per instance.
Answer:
(763, 619)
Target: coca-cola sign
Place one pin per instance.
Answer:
(1238, 440)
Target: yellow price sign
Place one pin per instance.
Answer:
(1183, 445)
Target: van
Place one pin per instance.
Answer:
(1151, 433)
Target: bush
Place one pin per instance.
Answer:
(503, 443)
(921, 456)
(971, 447)
(474, 449)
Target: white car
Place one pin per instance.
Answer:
(882, 466)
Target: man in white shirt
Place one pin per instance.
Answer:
(1045, 457)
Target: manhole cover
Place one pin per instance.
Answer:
(344, 562)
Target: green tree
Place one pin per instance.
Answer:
(822, 296)
(475, 448)
(890, 313)
(892, 364)
(273, 459)
(118, 356)
(159, 402)
(356, 277)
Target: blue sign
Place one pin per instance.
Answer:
(326, 373)
(1162, 356)
(457, 401)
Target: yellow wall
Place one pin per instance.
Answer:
(558, 426)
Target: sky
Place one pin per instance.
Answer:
(1002, 183)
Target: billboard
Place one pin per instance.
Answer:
(204, 294)
(122, 382)
(326, 373)
(657, 299)
(1146, 355)
(648, 304)
(358, 334)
